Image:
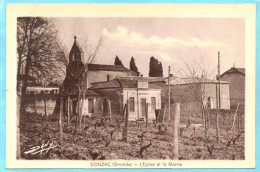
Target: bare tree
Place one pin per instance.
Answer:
(198, 75)
(38, 52)
(76, 74)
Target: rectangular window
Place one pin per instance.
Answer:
(153, 104)
(131, 104)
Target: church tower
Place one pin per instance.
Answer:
(75, 70)
(76, 52)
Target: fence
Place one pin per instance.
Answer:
(226, 118)
(192, 112)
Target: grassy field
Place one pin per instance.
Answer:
(104, 141)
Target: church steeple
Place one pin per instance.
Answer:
(76, 52)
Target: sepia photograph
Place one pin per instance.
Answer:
(131, 88)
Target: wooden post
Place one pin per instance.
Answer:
(218, 126)
(238, 119)
(146, 115)
(109, 109)
(176, 123)
(60, 120)
(125, 129)
(203, 115)
(45, 106)
(68, 108)
(169, 94)
(208, 119)
(234, 119)
(124, 109)
(219, 98)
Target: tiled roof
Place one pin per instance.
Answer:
(94, 67)
(106, 84)
(89, 93)
(75, 92)
(180, 81)
(118, 83)
(234, 70)
(148, 79)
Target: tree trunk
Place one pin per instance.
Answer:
(21, 51)
(18, 149)
(25, 81)
(163, 114)
(125, 129)
(68, 108)
(176, 132)
(60, 121)
(80, 117)
(79, 114)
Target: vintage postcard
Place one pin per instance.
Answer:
(130, 86)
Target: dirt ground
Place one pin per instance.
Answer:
(104, 141)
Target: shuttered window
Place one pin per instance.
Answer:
(131, 104)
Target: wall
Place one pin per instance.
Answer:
(115, 97)
(187, 93)
(142, 94)
(100, 75)
(237, 88)
(211, 90)
(35, 104)
(83, 105)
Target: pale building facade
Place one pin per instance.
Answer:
(138, 94)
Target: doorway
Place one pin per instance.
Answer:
(90, 105)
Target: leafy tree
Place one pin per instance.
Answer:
(118, 61)
(155, 68)
(132, 65)
(160, 70)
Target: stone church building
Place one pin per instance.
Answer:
(75, 92)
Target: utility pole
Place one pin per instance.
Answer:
(219, 104)
(169, 93)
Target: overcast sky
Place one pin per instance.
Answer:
(196, 40)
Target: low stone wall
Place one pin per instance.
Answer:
(36, 104)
